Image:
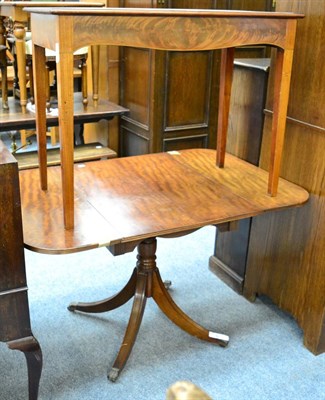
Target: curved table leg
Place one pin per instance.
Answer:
(33, 353)
(132, 329)
(176, 315)
(146, 282)
(110, 303)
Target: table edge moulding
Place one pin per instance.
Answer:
(66, 29)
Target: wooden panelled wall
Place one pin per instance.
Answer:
(172, 96)
(288, 263)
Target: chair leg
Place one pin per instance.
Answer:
(52, 134)
(33, 353)
(24, 134)
(4, 87)
(84, 82)
(31, 80)
(47, 85)
(23, 137)
(3, 62)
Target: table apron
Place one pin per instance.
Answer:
(156, 32)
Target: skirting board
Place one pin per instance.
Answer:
(226, 274)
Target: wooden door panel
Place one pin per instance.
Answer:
(182, 143)
(253, 5)
(187, 84)
(132, 143)
(135, 78)
(139, 3)
(191, 4)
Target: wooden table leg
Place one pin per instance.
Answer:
(66, 130)
(84, 83)
(20, 34)
(33, 353)
(176, 315)
(131, 332)
(226, 72)
(281, 96)
(39, 74)
(95, 71)
(146, 282)
(122, 297)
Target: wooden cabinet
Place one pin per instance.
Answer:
(244, 140)
(288, 263)
(292, 269)
(171, 95)
(15, 327)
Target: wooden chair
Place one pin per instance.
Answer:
(3, 65)
(21, 44)
(80, 56)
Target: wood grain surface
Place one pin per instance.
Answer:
(128, 199)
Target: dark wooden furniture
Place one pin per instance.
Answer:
(82, 153)
(13, 118)
(170, 29)
(245, 129)
(3, 64)
(125, 203)
(15, 328)
(292, 270)
(171, 95)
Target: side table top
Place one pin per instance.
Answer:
(52, 4)
(128, 199)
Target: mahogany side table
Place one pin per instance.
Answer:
(66, 29)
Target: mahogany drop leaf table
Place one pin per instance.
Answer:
(125, 203)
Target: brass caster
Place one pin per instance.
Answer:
(113, 374)
(167, 284)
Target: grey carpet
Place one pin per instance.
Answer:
(265, 358)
